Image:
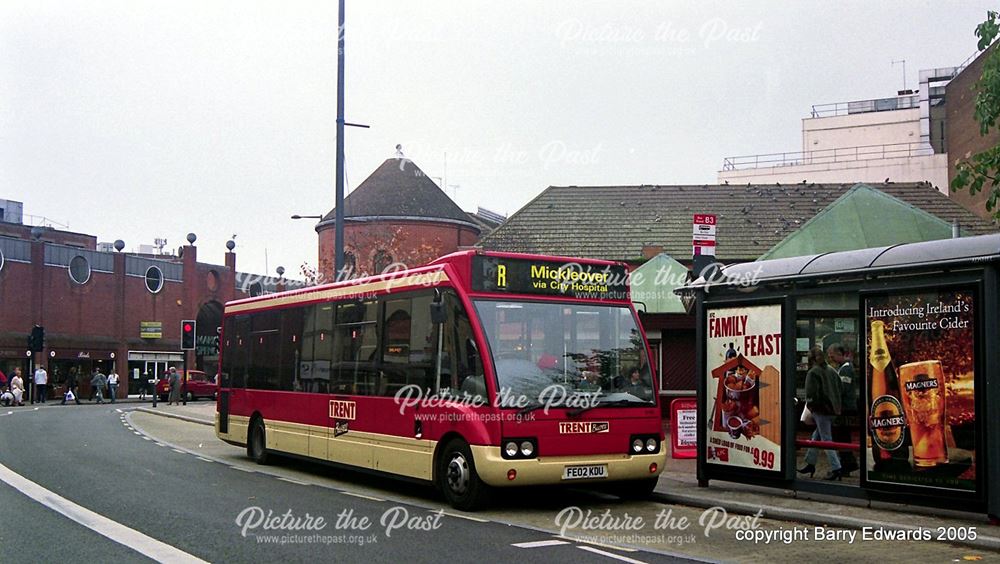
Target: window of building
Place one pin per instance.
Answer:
(350, 264)
(381, 261)
(154, 279)
(79, 269)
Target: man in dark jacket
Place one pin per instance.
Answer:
(71, 385)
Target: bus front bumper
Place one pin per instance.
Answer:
(496, 470)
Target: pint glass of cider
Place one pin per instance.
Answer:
(922, 387)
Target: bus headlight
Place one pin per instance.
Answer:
(510, 449)
(637, 445)
(651, 444)
(527, 449)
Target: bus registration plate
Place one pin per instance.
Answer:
(585, 472)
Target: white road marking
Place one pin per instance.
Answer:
(247, 470)
(178, 451)
(139, 542)
(622, 548)
(203, 459)
(368, 497)
(118, 410)
(291, 481)
(469, 517)
(160, 444)
(539, 544)
(137, 433)
(145, 438)
(610, 555)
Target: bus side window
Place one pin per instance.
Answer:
(292, 324)
(228, 352)
(355, 349)
(409, 345)
(239, 347)
(461, 366)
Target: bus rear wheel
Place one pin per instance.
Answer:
(257, 442)
(457, 478)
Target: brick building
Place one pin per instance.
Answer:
(396, 216)
(111, 310)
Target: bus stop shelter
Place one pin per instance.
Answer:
(911, 331)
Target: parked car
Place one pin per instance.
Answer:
(199, 385)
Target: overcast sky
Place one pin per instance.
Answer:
(138, 119)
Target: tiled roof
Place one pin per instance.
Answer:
(615, 222)
(398, 188)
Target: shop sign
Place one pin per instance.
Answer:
(743, 400)
(921, 394)
(150, 329)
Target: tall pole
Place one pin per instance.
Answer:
(338, 263)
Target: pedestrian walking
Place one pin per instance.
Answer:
(823, 400)
(143, 384)
(41, 384)
(72, 383)
(113, 385)
(174, 379)
(99, 381)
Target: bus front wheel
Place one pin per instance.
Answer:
(457, 478)
(257, 442)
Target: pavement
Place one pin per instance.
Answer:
(679, 485)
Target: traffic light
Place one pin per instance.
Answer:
(36, 340)
(188, 330)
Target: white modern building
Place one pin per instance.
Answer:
(901, 138)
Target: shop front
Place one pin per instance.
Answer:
(144, 366)
(61, 362)
(897, 339)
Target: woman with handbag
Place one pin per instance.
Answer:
(823, 401)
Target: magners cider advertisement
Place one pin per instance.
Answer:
(921, 389)
(743, 403)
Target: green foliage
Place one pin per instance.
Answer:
(982, 170)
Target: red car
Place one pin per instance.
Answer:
(199, 385)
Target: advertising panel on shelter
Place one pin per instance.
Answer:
(743, 400)
(921, 389)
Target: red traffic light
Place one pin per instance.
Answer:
(188, 330)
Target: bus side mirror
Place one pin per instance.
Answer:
(438, 314)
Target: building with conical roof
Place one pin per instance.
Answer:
(396, 216)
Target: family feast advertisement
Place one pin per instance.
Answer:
(921, 382)
(744, 387)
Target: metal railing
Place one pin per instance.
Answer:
(828, 156)
(866, 106)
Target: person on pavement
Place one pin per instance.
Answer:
(17, 387)
(174, 379)
(113, 385)
(72, 382)
(41, 384)
(99, 381)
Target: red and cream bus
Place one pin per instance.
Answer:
(478, 371)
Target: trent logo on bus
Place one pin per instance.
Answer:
(342, 409)
(574, 427)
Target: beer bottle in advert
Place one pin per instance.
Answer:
(885, 415)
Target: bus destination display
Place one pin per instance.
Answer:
(525, 276)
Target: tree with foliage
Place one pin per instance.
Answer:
(982, 170)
